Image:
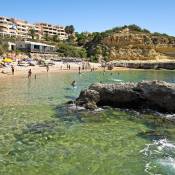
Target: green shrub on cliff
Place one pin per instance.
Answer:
(71, 51)
(3, 48)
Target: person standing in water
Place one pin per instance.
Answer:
(47, 68)
(29, 73)
(104, 71)
(13, 70)
(79, 69)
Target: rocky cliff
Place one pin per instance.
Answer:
(128, 44)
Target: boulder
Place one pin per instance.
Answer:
(88, 98)
(157, 95)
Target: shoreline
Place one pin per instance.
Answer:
(42, 70)
(36, 70)
(62, 68)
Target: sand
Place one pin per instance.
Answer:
(58, 67)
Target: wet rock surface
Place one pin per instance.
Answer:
(157, 95)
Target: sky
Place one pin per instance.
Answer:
(95, 15)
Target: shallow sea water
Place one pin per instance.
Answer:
(39, 134)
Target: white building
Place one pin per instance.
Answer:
(35, 47)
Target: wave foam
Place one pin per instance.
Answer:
(160, 153)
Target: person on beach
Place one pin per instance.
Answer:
(29, 73)
(47, 68)
(13, 69)
(69, 67)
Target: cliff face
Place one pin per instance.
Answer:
(129, 38)
(128, 45)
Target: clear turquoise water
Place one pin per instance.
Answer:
(39, 135)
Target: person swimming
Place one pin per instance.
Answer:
(73, 83)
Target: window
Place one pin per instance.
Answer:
(36, 47)
(28, 46)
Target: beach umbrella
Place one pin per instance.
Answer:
(7, 60)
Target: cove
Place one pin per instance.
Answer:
(40, 135)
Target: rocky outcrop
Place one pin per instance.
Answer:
(157, 95)
(144, 64)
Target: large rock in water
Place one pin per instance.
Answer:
(157, 95)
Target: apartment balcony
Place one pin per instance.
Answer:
(6, 22)
(3, 25)
(22, 30)
(3, 31)
(61, 30)
(46, 29)
(22, 27)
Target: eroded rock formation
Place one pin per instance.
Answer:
(157, 95)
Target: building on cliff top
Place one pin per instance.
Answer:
(20, 28)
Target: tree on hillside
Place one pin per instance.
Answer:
(3, 48)
(134, 27)
(46, 36)
(32, 33)
(84, 38)
(71, 51)
(69, 29)
(81, 39)
(71, 40)
(55, 38)
(146, 31)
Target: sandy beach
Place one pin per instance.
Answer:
(6, 73)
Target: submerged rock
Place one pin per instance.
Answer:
(157, 95)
